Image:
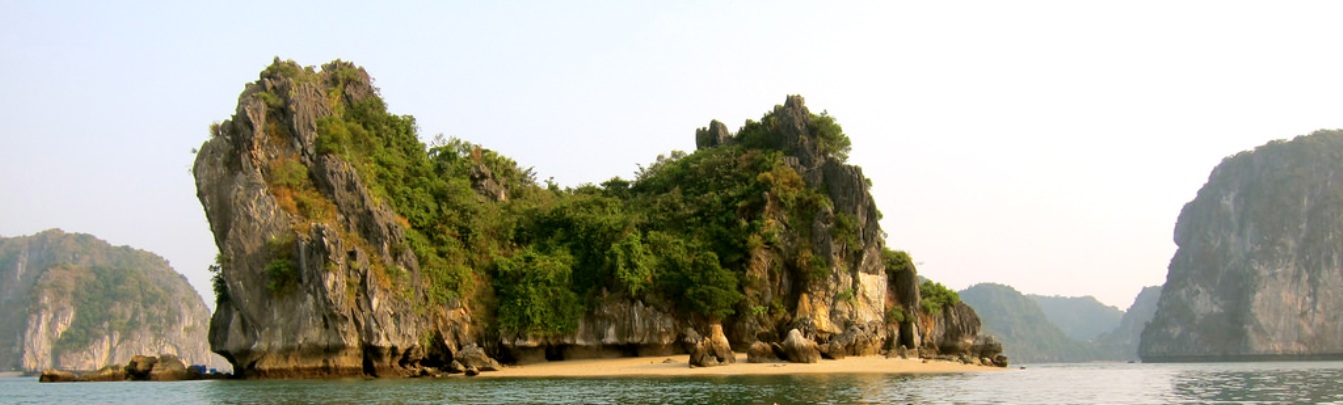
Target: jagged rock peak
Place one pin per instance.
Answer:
(714, 135)
(303, 226)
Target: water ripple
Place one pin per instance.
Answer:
(1220, 383)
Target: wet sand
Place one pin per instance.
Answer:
(677, 366)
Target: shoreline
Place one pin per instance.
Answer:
(658, 366)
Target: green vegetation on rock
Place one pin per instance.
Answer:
(442, 245)
(115, 299)
(934, 296)
(679, 235)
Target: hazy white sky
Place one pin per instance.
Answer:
(1045, 145)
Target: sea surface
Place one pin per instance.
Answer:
(1091, 383)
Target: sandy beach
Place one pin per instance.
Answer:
(677, 366)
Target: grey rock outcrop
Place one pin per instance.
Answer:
(712, 350)
(608, 330)
(716, 134)
(310, 294)
(1258, 274)
(852, 289)
(75, 302)
(473, 357)
(846, 303)
(308, 252)
(761, 352)
(140, 368)
(799, 349)
(169, 368)
(954, 330)
(1122, 342)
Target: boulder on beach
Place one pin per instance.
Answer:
(169, 368)
(472, 356)
(798, 349)
(712, 350)
(761, 352)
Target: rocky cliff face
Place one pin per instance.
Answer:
(322, 276)
(1122, 342)
(851, 298)
(307, 252)
(75, 302)
(1259, 270)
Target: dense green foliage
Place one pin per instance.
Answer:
(536, 293)
(934, 296)
(681, 234)
(896, 262)
(110, 289)
(106, 299)
(282, 270)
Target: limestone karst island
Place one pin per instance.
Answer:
(75, 302)
(347, 247)
(350, 248)
(1259, 270)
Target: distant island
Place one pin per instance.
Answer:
(1259, 269)
(74, 302)
(350, 248)
(1055, 329)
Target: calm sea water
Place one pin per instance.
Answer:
(1289, 382)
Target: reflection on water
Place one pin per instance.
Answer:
(1309, 382)
(1268, 382)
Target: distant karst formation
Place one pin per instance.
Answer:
(1019, 322)
(349, 248)
(75, 302)
(1035, 326)
(1259, 270)
(1080, 318)
(1121, 343)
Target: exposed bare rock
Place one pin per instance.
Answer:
(105, 374)
(986, 346)
(715, 135)
(761, 352)
(308, 291)
(953, 331)
(712, 350)
(334, 287)
(851, 289)
(140, 366)
(1258, 274)
(1122, 342)
(169, 368)
(75, 302)
(799, 349)
(609, 330)
(484, 182)
(473, 357)
(54, 375)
